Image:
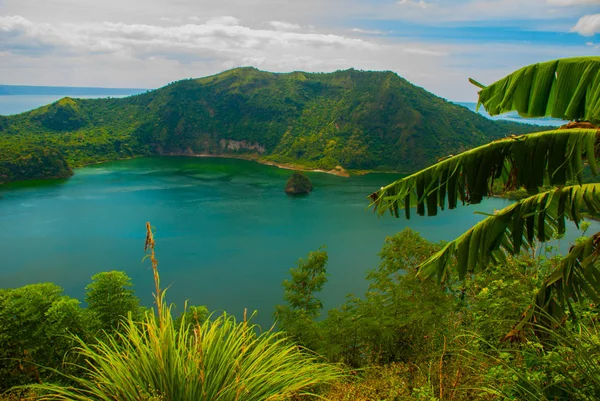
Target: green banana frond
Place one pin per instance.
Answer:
(538, 217)
(554, 157)
(577, 277)
(568, 89)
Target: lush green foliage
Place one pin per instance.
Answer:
(297, 317)
(156, 357)
(355, 119)
(414, 339)
(556, 358)
(421, 340)
(22, 161)
(38, 324)
(563, 367)
(392, 321)
(110, 298)
(548, 158)
(551, 158)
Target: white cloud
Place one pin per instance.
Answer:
(224, 20)
(415, 3)
(148, 11)
(284, 26)
(290, 62)
(424, 52)
(573, 2)
(147, 43)
(369, 31)
(223, 34)
(167, 19)
(588, 25)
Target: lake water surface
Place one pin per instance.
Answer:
(226, 232)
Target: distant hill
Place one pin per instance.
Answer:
(23, 90)
(355, 119)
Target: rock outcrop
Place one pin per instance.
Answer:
(298, 184)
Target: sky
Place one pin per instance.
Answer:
(436, 44)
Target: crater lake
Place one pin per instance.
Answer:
(226, 233)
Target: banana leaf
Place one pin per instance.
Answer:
(568, 89)
(537, 218)
(530, 161)
(577, 278)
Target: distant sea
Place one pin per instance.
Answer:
(19, 99)
(513, 116)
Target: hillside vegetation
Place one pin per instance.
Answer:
(355, 119)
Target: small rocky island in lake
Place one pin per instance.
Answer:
(298, 184)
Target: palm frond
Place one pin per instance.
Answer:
(538, 217)
(568, 89)
(577, 277)
(553, 157)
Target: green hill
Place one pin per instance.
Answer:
(355, 119)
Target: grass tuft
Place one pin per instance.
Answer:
(220, 359)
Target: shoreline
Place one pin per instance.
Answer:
(338, 171)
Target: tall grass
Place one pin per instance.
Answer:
(562, 364)
(220, 359)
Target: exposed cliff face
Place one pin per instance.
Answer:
(230, 144)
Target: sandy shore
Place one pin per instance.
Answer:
(339, 171)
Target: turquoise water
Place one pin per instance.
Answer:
(226, 232)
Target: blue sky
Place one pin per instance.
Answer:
(437, 44)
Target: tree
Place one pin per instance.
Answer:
(302, 308)
(110, 298)
(567, 89)
(396, 318)
(37, 325)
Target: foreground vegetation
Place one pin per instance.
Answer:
(408, 339)
(354, 119)
(145, 354)
(403, 339)
(507, 318)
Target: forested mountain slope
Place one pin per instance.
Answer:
(354, 119)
